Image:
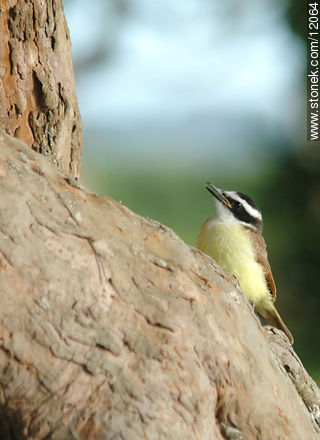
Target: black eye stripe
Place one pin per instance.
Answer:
(240, 212)
(248, 200)
(236, 203)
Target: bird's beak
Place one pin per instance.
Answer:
(217, 193)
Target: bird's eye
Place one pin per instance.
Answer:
(237, 204)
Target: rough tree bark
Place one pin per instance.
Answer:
(37, 94)
(111, 327)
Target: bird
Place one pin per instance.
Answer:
(234, 240)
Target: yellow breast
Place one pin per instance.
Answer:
(230, 246)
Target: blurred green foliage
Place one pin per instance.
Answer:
(292, 201)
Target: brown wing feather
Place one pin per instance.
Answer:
(262, 257)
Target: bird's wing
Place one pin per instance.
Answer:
(260, 249)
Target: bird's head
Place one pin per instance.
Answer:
(233, 206)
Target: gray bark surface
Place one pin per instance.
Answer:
(111, 327)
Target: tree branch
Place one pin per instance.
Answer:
(112, 327)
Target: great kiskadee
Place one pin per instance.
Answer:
(234, 240)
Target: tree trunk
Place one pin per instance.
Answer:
(113, 328)
(37, 94)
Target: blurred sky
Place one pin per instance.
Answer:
(190, 80)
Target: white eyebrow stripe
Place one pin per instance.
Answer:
(250, 210)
